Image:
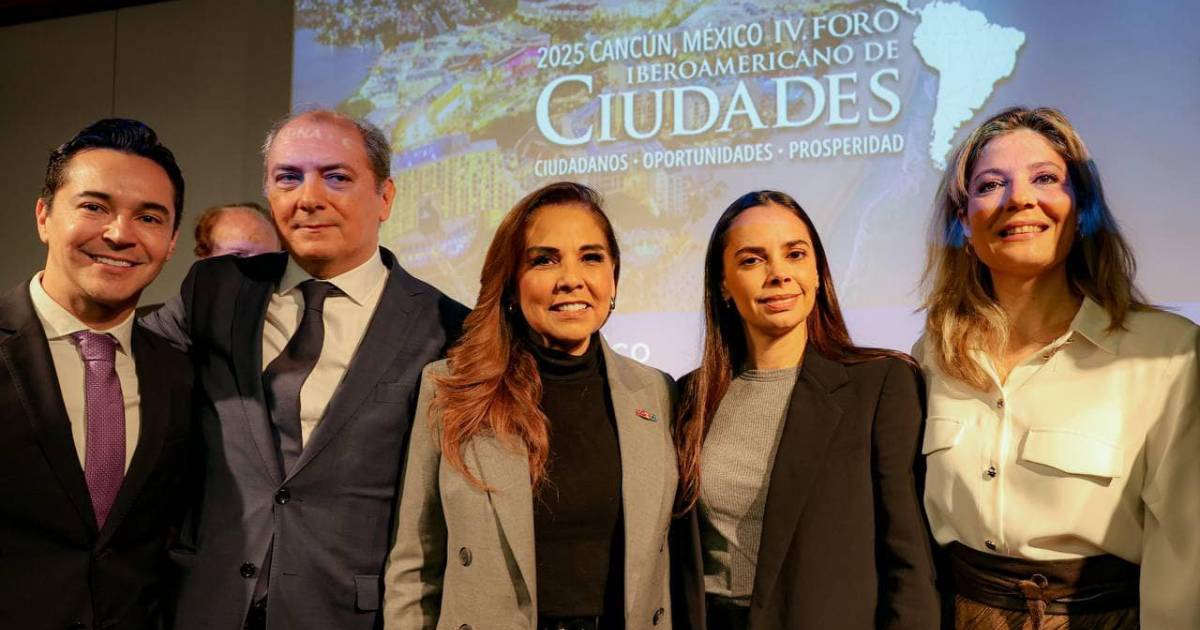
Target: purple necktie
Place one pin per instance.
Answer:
(104, 462)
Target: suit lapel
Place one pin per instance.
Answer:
(642, 459)
(26, 354)
(812, 419)
(386, 341)
(154, 390)
(504, 469)
(246, 349)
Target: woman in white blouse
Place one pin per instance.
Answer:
(1063, 441)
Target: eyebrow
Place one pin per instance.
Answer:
(1046, 163)
(152, 206)
(103, 196)
(544, 250)
(753, 249)
(996, 171)
(323, 168)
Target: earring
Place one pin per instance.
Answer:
(612, 303)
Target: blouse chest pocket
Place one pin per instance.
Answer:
(941, 433)
(1073, 452)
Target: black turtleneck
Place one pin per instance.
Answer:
(577, 520)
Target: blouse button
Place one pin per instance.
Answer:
(990, 545)
(1000, 403)
(990, 472)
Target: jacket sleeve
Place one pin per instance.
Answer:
(907, 594)
(1170, 581)
(171, 320)
(417, 561)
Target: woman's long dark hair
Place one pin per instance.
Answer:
(725, 347)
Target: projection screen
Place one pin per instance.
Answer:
(672, 109)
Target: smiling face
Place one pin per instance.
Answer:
(566, 278)
(108, 231)
(1020, 214)
(324, 198)
(770, 271)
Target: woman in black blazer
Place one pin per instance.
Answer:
(796, 447)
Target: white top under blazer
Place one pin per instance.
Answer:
(1092, 446)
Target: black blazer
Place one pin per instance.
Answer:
(328, 520)
(56, 569)
(844, 540)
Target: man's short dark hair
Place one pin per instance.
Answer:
(119, 134)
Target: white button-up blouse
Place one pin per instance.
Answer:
(1091, 446)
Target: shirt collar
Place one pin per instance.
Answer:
(356, 284)
(58, 322)
(1092, 322)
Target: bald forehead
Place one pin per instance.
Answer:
(309, 129)
(241, 213)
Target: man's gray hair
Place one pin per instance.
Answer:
(379, 152)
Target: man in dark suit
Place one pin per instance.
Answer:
(307, 365)
(94, 428)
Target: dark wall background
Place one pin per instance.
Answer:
(209, 76)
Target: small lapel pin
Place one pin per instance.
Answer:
(646, 415)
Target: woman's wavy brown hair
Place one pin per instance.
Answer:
(725, 347)
(962, 313)
(493, 387)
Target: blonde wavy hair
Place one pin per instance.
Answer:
(962, 313)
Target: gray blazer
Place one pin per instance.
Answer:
(464, 558)
(329, 517)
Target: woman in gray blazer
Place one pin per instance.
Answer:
(540, 476)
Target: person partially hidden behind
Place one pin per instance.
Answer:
(240, 229)
(307, 364)
(94, 437)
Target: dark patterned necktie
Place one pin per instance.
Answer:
(284, 377)
(104, 457)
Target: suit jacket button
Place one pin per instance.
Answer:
(248, 570)
(658, 615)
(283, 496)
(464, 556)
(465, 626)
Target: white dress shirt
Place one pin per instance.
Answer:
(59, 323)
(346, 314)
(1092, 446)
